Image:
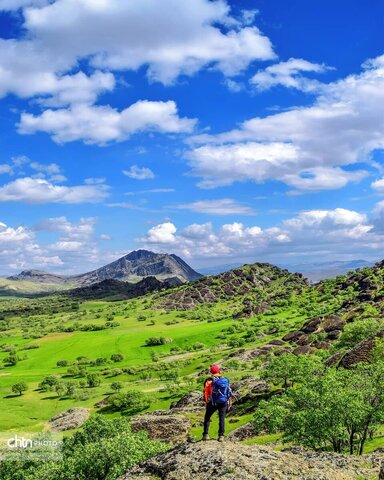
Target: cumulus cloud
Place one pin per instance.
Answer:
(61, 34)
(196, 35)
(102, 124)
(289, 74)
(139, 173)
(162, 233)
(224, 206)
(378, 185)
(305, 147)
(38, 190)
(310, 233)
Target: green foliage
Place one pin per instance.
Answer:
(103, 449)
(337, 410)
(93, 380)
(355, 332)
(117, 357)
(131, 401)
(19, 387)
(154, 341)
(116, 386)
(289, 369)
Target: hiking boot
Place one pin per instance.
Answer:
(205, 437)
(221, 438)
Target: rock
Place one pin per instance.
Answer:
(292, 336)
(333, 322)
(302, 350)
(311, 325)
(333, 335)
(276, 342)
(232, 460)
(189, 402)
(303, 340)
(334, 359)
(102, 403)
(381, 473)
(242, 433)
(162, 426)
(249, 385)
(360, 353)
(69, 419)
(321, 345)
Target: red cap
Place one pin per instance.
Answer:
(214, 369)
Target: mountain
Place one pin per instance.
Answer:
(323, 270)
(133, 267)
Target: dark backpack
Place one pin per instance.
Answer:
(221, 391)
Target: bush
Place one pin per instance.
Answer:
(117, 357)
(154, 341)
(62, 363)
(102, 449)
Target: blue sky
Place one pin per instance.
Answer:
(221, 131)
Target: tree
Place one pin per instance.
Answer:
(19, 388)
(11, 360)
(62, 363)
(338, 409)
(93, 380)
(359, 330)
(132, 401)
(289, 369)
(48, 383)
(116, 386)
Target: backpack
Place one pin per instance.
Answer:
(221, 391)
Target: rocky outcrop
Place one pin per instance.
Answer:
(257, 281)
(162, 425)
(69, 419)
(242, 433)
(234, 461)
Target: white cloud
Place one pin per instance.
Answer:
(378, 185)
(4, 168)
(337, 232)
(305, 147)
(224, 206)
(162, 233)
(37, 190)
(141, 33)
(288, 74)
(139, 173)
(51, 168)
(102, 124)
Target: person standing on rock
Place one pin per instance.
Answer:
(217, 396)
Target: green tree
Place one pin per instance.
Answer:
(132, 401)
(93, 380)
(19, 388)
(116, 386)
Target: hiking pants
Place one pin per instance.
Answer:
(210, 410)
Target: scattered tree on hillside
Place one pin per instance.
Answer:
(19, 388)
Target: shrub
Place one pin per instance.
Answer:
(154, 341)
(62, 363)
(117, 357)
(93, 380)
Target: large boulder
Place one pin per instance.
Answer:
(242, 433)
(235, 461)
(162, 425)
(362, 352)
(69, 419)
(189, 402)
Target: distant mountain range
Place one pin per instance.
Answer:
(133, 267)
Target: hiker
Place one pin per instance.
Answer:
(217, 396)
